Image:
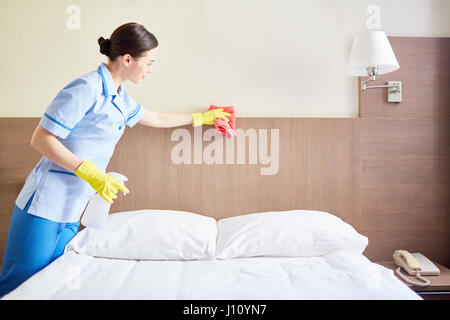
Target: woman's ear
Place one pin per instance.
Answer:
(126, 59)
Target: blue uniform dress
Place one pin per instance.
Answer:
(88, 116)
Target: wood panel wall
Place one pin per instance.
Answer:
(405, 154)
(318, 170)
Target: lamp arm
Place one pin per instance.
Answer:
(364, 86)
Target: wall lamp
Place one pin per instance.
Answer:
(372, 55)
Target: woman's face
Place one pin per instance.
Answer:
(141, 66)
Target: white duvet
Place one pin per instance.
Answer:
(333, 276)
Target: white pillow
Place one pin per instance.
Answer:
(150, 235)
(294, 233)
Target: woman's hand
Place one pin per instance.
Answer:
(208, 117)
(105, 185)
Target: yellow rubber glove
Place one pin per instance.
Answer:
(208, 117)
(105, 185)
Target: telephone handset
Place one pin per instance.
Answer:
(415, 264)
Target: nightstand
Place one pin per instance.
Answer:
(439, 289)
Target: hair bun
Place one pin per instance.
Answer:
(105, 45)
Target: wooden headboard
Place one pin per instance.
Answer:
(388, 178)
(317, 169)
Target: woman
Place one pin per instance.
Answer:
(77, 136)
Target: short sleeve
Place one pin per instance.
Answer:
(68, 107)
(136, 111)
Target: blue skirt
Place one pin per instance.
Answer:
(33, 243)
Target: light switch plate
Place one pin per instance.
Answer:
(395, 95)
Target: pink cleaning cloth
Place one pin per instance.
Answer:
(222, 126)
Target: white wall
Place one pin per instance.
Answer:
(268, 58)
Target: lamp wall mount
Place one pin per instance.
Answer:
(394, 87)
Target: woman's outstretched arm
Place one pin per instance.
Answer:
(165, 120)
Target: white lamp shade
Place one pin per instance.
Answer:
(371, 49)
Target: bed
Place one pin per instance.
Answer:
(180, 255)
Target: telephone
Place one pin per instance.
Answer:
(415, 264)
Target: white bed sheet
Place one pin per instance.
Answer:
(334, 276)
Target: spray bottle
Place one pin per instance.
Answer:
(97, 210)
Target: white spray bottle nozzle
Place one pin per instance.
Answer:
(119, 177)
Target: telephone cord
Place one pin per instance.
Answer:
(425, 282)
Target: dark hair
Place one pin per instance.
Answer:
(131, 38)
